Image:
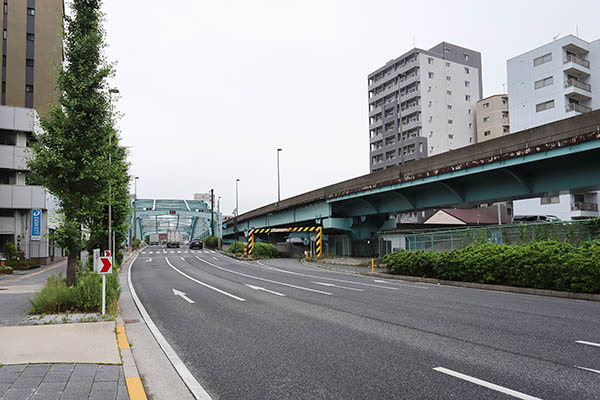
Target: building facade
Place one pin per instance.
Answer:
(492, 117)
(423, 103)
(31, 48)
(24, 208)
(558, 80)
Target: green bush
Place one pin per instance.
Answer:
(136, 243)
(10, 251)
(236, 248)
(147, 239)
(5, 268)
(15, 263)
(542, 265)
(211, 242)
(265, 250)
(85, 296)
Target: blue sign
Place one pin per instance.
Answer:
(36, 224)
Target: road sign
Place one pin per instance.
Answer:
(105, 265)
(106, 253)
(96, 260)
(36, 224)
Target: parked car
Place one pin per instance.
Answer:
(196, 244)
(534, 218)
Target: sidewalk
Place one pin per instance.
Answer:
(347, 264)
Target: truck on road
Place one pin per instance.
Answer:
(173, 238)
(153, 239)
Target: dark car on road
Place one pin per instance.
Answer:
(196, 244)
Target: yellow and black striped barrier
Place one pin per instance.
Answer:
(318, 229)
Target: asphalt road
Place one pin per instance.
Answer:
(284, 330)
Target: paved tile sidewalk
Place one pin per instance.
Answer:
(62, 382)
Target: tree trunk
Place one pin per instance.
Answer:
(72, 267)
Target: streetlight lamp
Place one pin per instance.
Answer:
(278, 181)
(235, 226)
(110, 234)
(135, 207)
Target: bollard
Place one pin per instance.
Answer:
(245, 251)
(306, 255)
(372, 265)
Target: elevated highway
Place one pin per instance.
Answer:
(562, 155)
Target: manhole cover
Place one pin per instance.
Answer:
(131, 321)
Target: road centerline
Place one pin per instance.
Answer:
(588, 343)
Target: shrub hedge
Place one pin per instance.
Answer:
(236, 248)
(211, 242)
(85, 296)
(541, 265)
(264, 250)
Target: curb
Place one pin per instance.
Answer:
(473, 285)
(132, 376)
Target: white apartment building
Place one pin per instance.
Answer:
(558, 80)
(18, 200)
(423, 103)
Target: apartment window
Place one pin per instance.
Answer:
(550, 200)
(544, 82)
(505, 130)
(5, 8)
(30, 37)
(429, 60)
(467, 84)
(431, 75)
(29, 62)
(449, 122)
(449, 92)
(4, 35)
(542, 59)
(430, 118)
(8, 137)
(487, 133)
(3, 86)
(466, 70)
(470, 124)
(449, 106)
(544, 106)
(469, 111)
(450, 136)
(467, 97)
(28, 88)
(31, 11)
(448, 78)
(486, 119)
(4, 61)
(429, 89)
(429, 104)
(486, 105)
(466, 56)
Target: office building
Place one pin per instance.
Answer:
(423, 103)
(31, 48)
(492, 117)
(558, 80)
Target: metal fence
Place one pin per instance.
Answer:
(573, 232)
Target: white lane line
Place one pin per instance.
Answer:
(588, 343)
(588, 369)
(185, 251)
(212, 252)
(485, 384)
(193, 385)
(172, 252)
(264, 290)
(182, 259)
(179, 251)
(215, 258)
(204, 284)
(143, 252)
(390, 282)
(339, 287)
(265, 280)
(150, 252)
(337, 280)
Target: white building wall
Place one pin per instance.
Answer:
(522, 75)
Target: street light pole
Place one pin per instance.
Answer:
(219, 223)
(110, 238)
(135, 207)
(278, 180)
(235, 226)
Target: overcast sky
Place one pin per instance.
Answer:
(210, 89)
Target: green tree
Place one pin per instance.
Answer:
(71, 155)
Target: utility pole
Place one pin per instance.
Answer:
(278, 180)
(110, 235)
(212, 212)
(235, 227)
(135, 209)
(219, 223)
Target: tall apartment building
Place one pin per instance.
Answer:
(492, 117)
(423, 103)
(31, 47)
(558, 80)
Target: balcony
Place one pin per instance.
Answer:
(582, 206)
(578, 90)
(574, 65)
(22, 197)
(577, 108)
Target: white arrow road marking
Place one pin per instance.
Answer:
(183, 296)
(588, 369)
(204, 284)
(264, 290)
(340, 287)
(399, 284)
(485, 384)
(149, 260)
(263, 279)
(588, 343)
